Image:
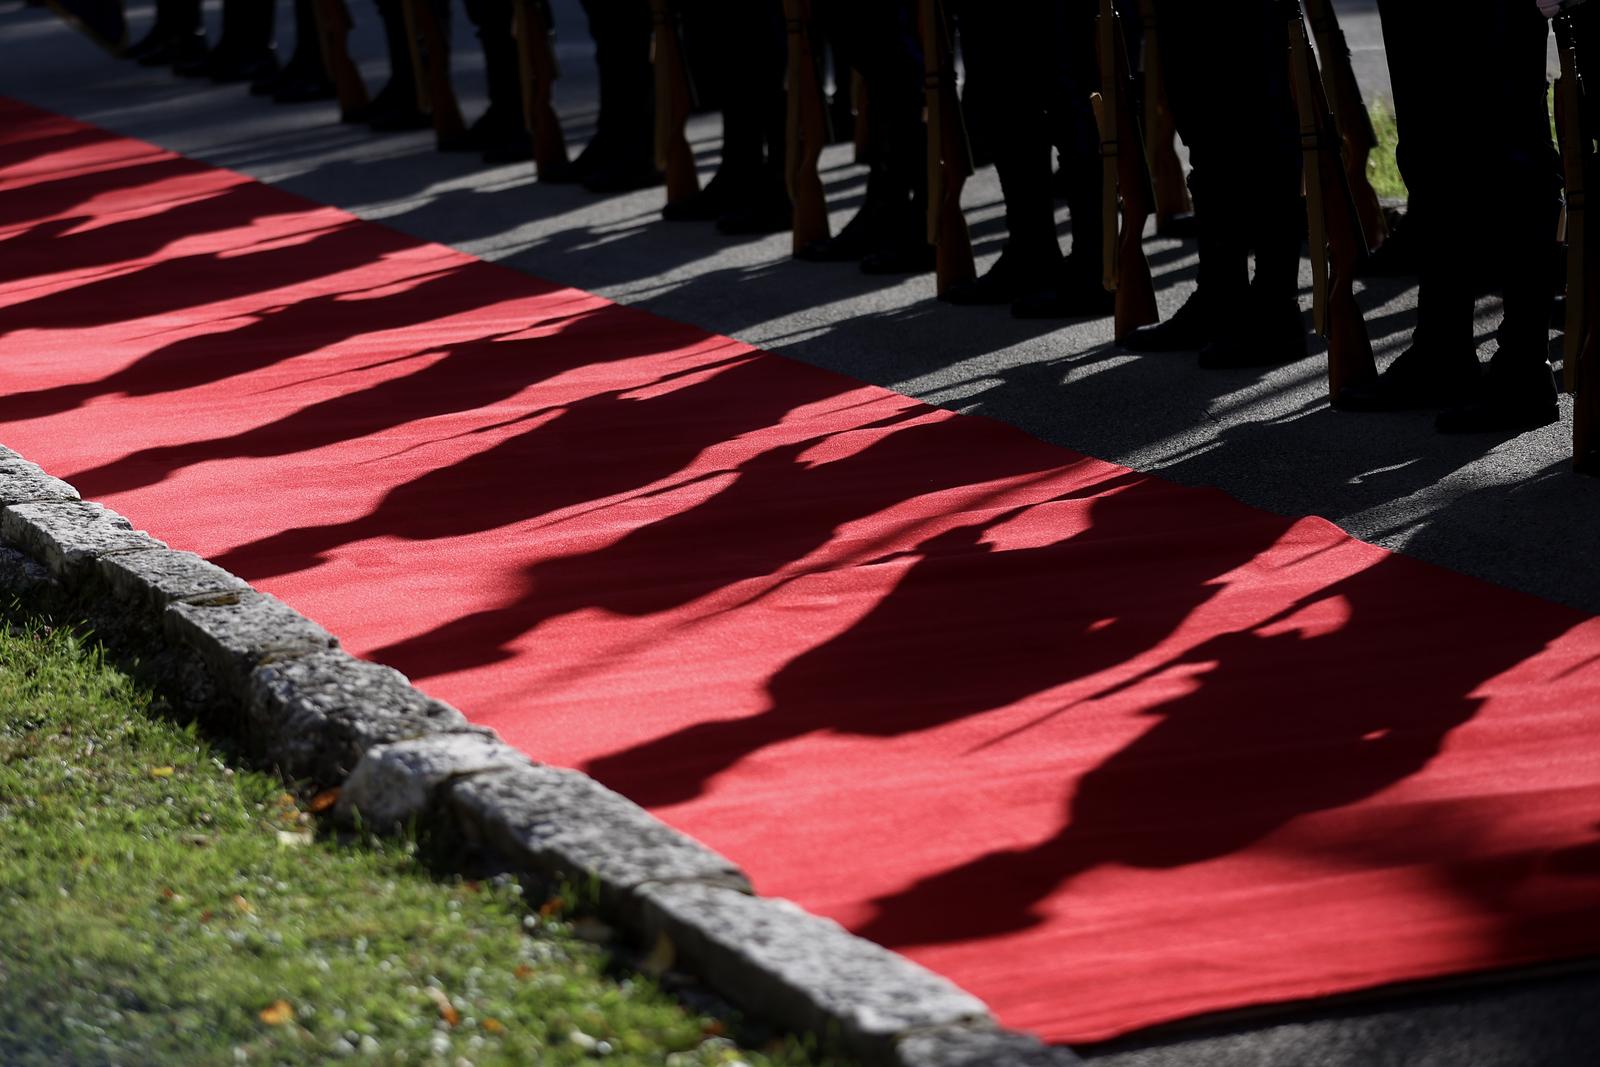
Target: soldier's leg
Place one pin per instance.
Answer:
(621, 155)
(395, 107)
(1008, 58)
(244, 51)
(178, 35)
(755, 107)
(745, 50)
(1253, 144)
(1073, 74)
(1204, 89)
(889, 233)
(1518, 201)
(304, 77)
(501, 132)
(1443, 80)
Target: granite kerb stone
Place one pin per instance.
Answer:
(153, 580)
(800, 970)
(233, 633)
(566, 826)
(68, 536)
(978, 1046)
(315, 716)
(397, 784)
(22, 482)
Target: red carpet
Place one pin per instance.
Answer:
(1104, 750)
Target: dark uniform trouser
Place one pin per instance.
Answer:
(493, 21)
(247, 26)
(878, 39)
(1475, 151)
(179, 16)
(745, 56)
(621, 30)
(1032, 70)
(1227, 76)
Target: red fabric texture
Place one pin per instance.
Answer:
(1104, 750)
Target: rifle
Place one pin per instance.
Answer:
(806, 130)
(536, 63)
(1350, 118)
(949, 154)
(1128, 197)
(1166, 170)
(674, 99)
(1579, 356)
(333, 33)
(102, 21)
(430, 59)
(1333, 231)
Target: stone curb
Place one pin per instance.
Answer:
(399, 756)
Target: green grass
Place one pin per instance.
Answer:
(158, 906)
(1382, 170)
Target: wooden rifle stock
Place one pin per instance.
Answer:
(807, 129)
(536, 63)
(949, 154)
(674, 99)
(1579, 356)
(1128, 199)
(1334, 233)
(1350, 118)
(430, 58)
(1166, 170)
(333, 33)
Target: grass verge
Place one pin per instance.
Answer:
(158, 906)
(1382, 170)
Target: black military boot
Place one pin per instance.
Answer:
(1187, 330)
(178, 35)
(1517, 394)
(1421, 377)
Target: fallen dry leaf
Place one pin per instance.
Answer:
(161, 772)
(277, 1013)
(550, 907)
(494, 1026)
(523, 971)
(447, 1010)
(324, 800)
(244, 905)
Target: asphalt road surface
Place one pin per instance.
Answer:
(1505, 509)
